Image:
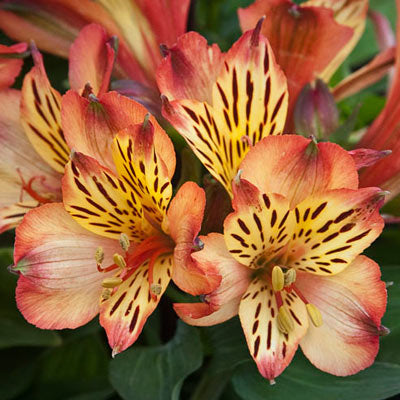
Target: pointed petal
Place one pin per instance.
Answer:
(91, 60)
(298, 168)
(305, 47)
(349, 13)
(367, 157)
(59, 286)
(10, 67)
(365, 76)
(126, 311)
(190, 69)
(202, 314)
(101, 202)
(142, 168)
(259, 228)
(333, 228)
(90, 126)
(271, 349)
(19, 160)
(41, 117)
(249, 101)
(185, 216)
(352, 304)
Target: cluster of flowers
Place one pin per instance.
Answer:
(87, 176)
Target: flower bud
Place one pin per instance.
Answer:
(315, 113)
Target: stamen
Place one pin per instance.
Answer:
(112, 282)
(99, 255)
(278, 278)
(285, 322)
(315, 315)
(290, 277)
(155, 289)
(124, 241)
(119, 261)
(30, 190)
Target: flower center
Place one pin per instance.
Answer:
(283, 279)
(148, 250)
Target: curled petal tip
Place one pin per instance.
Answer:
(12, 269)
(87, 91)
(383, 330)
(236, 179)
(389, 283)
(272, 382)
(386, 152)
(72, 154)
(92, 98)
(164, 50)
(115, 351)
(255, 37)
(294, 11)
(114, 42)
(383, 193)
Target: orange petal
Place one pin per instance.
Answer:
(367, 157)
(101, 202)
(365, 76)
(124, 314)
(185, 215)
(350, 13)
(91, 125)
(298, 168)
(41, 116)
(60, 285)
(91, 60)
(271, 349)
(10, 67)
(307, 44)
(190, 69)
(202, 314)
(259, 228)
(249, 101)
(383, 134)
(352, 304)
(333, 228)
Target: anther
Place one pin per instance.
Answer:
(99, 255)
(155, 289)
(112, 282)
(278, 278)
(124, 241)
(119, 260)
(285, 322)
(315, 315)
(290, 276)
(106, 294)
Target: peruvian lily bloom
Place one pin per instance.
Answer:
(34, 149)
(140, 25)
(289, 259)
(318, 36)
(124, 222)
(222, 104)
(384, 134)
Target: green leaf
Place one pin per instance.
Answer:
(302, 381)
(157, 372)
(14, 330)
(78, 368)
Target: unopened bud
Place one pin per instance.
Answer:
(315, 111)
(155, 289)
(314, 314)
(124, 241)
(99, 255)
(278, 279)
(112, 282)
(285, 322)
(119, 260)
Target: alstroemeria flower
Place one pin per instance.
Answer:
(289, 259)
(384, 134)
(140, 25)
(222, 104)
(56, 251)
(34, 150)
(317, 36)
